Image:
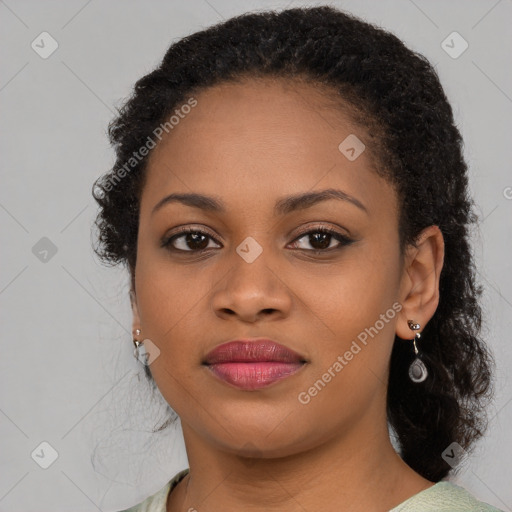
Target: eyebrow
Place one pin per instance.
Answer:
(283, 206)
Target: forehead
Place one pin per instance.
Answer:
(263, 137)
(264, 111)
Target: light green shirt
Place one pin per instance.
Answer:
(441, 497)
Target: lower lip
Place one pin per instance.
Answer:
(254, 375)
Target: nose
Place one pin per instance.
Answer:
(252, 291)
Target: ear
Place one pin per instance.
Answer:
(135, 311)
(419, 286)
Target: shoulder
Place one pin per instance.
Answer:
(444, 497)
(157, 502)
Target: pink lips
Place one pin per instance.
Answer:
(253, 364)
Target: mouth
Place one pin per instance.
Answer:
(253, 364)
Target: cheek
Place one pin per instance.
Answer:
(354, 308)
(169, 298)
(360, 288)
(169, 302)
(165, 291)
(353, 342)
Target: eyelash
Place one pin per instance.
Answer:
(343, 239)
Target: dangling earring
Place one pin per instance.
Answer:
(417, 371)
(137, 344)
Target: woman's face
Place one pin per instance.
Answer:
(251, 147)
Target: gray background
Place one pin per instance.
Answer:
(68, 376)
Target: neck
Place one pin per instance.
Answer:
(358, 469)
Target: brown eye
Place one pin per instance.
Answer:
(188, 241)
(321, 240)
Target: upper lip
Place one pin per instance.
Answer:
(251, 350)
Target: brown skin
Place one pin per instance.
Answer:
(250, 144)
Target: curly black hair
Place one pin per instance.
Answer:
(396, 96)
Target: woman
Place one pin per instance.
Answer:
(291, 200)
